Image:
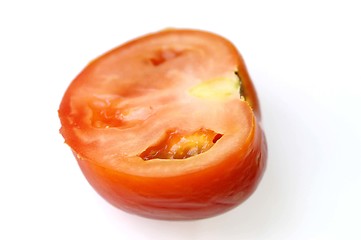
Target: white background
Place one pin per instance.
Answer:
(305, 61)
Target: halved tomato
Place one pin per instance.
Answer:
(167, 126)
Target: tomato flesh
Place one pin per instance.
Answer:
(167, 126)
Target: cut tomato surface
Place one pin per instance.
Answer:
(167, 126)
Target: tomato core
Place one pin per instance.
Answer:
(178, 144)
(218, 88)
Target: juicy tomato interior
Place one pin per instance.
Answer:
(165, 106)
(179, 145)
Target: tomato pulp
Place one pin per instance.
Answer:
(167, 126)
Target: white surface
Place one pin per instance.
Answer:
(304, 58)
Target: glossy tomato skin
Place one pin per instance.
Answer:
(211, 188)
(193, 196)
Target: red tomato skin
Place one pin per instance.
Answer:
(193, 196)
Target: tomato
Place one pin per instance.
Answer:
(167, 126)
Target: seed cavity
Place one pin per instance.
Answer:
(178, 144)
(163, 55)
(108, 113)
